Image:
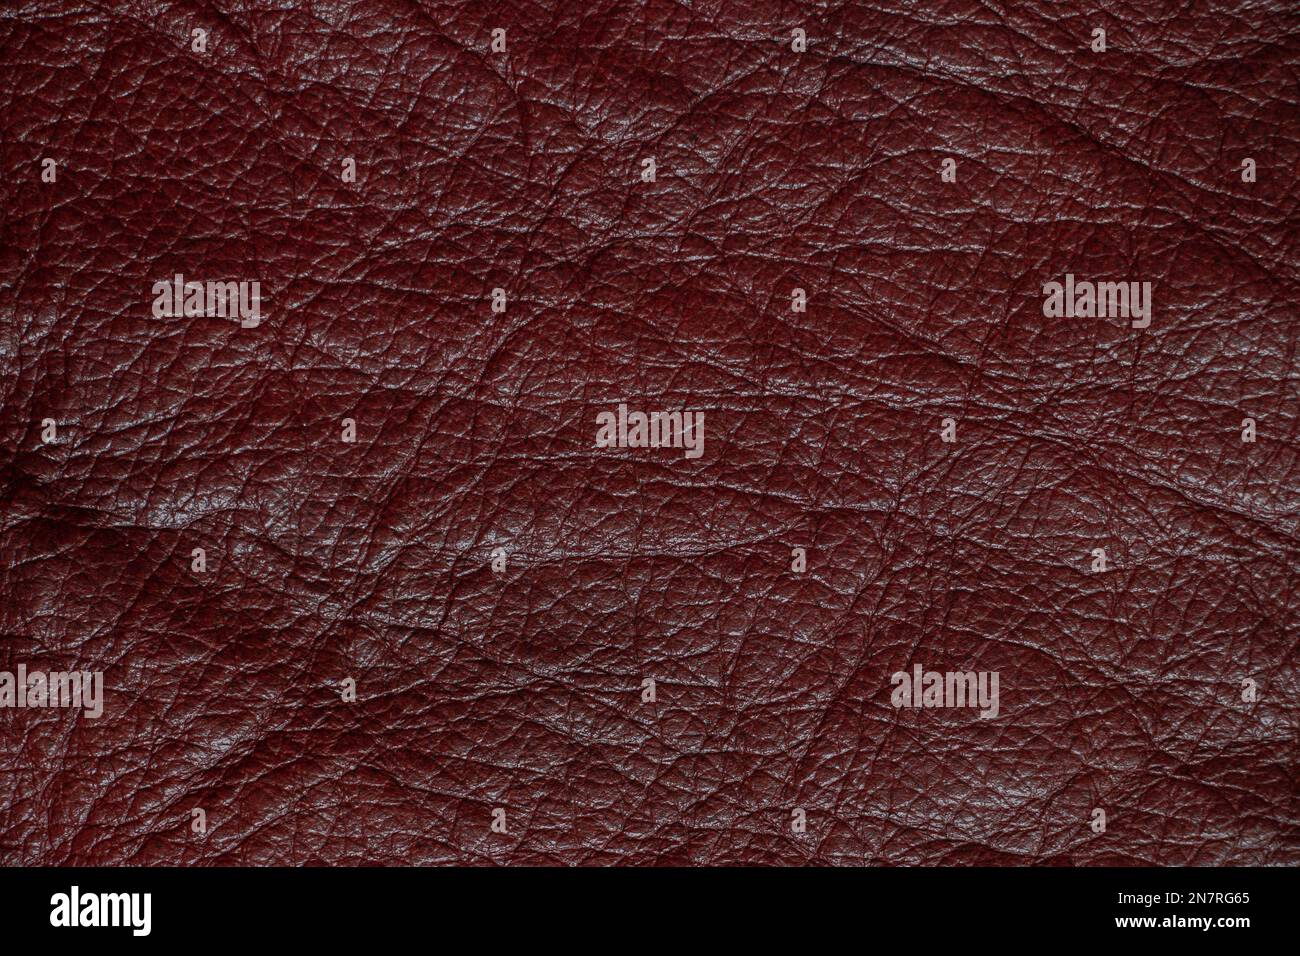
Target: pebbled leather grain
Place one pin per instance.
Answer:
(522, 690)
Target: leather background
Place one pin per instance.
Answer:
(775, 169)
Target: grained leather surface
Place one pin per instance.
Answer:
(522, 690)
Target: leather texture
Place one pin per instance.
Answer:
(522, 690)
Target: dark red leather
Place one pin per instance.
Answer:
(1120, 690)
